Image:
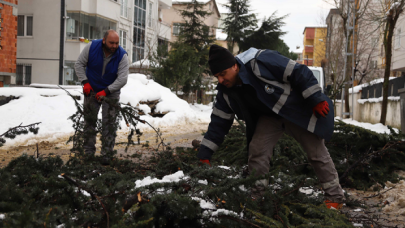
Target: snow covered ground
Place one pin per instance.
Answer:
(52, 107)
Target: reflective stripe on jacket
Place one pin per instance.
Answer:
(287, 88)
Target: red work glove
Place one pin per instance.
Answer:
(100, 94)
(322, 108)
(205, 161)
(87, 88)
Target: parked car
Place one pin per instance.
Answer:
(320, 76)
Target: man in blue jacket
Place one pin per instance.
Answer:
(102, 68)
(273, 95)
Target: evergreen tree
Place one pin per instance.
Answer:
(268, 36)
(239, 23)
(179, 69)
(194, 32)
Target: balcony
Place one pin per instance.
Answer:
(164, 30)
(309, 48)
(310, 33)
(308, 62)
(165, 4)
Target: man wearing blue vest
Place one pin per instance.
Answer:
(102, 67)
(273, 95)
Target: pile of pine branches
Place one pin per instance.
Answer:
(45, 192)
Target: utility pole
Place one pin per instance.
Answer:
(351, 13)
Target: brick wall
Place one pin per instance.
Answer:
(8, 38)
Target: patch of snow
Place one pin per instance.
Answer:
(204, 204)
(359, 209)
(52, 107)
(357, 225)
(175, 177)
(205, 182)
(395, 197)
(375, 100)
(224, 167)
(379, 128)
(2, 216)
(221, 35)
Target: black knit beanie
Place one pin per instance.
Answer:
(220, 59)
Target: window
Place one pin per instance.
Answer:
(177, 28)
(70, 77)
(123, 39)
(23, 73)
(138, 50)
(88, 26)
(124, 8)
(398, 38)
(150, 14)
(24, 25)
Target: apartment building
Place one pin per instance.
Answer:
(398, 54)
(8, 41)
(173, 18)
(60, 29)
(314, 45)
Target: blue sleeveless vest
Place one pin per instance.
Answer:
(95, 62)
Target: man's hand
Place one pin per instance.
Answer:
(100, 94)
(322, 108)
(205, 161)
(87, 88)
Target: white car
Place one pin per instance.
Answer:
(319, 75)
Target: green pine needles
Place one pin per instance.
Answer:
(45, 192)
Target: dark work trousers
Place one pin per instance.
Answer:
(269, 130)
(109, 116)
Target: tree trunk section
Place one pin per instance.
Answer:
(388, 54)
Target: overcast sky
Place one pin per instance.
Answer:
(301, 13)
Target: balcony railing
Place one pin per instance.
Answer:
(309, 48)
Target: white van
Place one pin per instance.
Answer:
(319, 75)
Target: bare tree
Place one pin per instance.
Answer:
(386, 14)
(361, 42)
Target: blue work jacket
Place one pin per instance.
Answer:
(94, 70)
(287, 88)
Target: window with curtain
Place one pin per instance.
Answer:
(150, 14)
(124, 8)
(123, 39)
(139, 30)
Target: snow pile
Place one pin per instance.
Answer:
(221, 35)
(395, 198)
(379, 127)
(175, 177)
(358, 88)
(376, 100)
(52, 107)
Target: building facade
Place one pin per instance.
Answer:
(8, 41)
(173, 18)
(398, 44)
(314, 45)
(51, 40)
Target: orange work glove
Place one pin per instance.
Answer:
(322, 108)
(87, 88)
(205, 161)
(100, 94)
